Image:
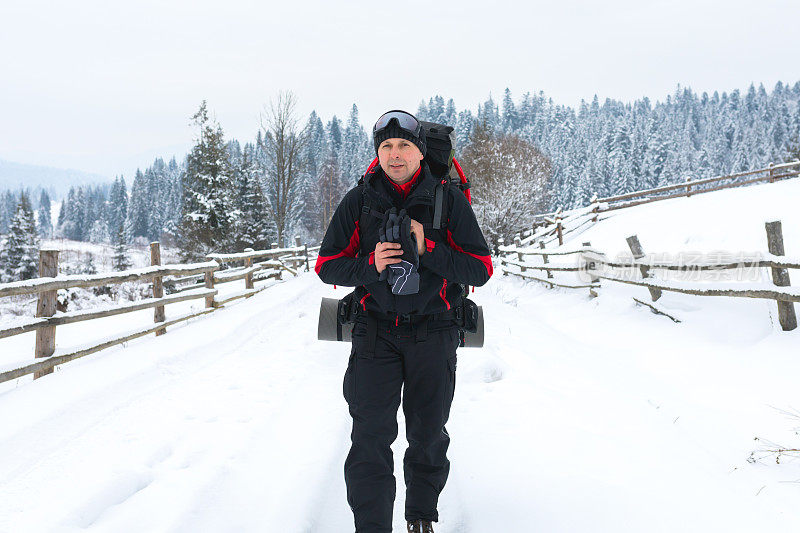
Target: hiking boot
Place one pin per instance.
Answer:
(420, 526)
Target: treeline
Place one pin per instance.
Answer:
(284, 184)
(225, 195)
(613, 147)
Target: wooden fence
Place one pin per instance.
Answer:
(202, 279)
(592, 265)
(556, 226)
(690, 187)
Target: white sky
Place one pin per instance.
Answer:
(105, 88)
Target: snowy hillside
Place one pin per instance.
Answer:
(578, 415)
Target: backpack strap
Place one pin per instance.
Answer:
(438, 205)
(367, 208)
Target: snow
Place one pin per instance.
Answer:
(578, 414)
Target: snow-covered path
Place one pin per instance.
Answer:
(578, 415)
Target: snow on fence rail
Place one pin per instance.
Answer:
(690, 187)
(46, 287)
(553, 228)
(593, 265)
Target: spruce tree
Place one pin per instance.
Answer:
(205, 224)
(20, 254)
(334, 129)
(87, 265)
(98, 234)
(356, 152)
(510, 119)
(138, 212)
(8, 206)
(254, 227)
(120, 260)
(619, 156)
(45, 219)
(118, 205)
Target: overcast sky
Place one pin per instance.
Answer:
(105, 88)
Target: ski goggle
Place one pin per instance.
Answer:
(405, 121)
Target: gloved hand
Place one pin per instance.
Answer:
(386, 233)
(403, 276)
(408, 241)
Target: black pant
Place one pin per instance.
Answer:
(372, 382)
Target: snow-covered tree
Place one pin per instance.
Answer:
(19, 256)
(357, 149)
(207, 183)
(120, 260)
(509, 182)
(118, 205)
(44, 219)
(8, 206)
(510, 118)
(98, 234)
(254, 226)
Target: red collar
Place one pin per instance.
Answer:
(405, 188)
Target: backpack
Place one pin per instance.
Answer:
(440, 141)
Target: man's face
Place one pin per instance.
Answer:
(399, 159)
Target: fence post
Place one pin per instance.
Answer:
(248, 279)
(771, 173)
(596, 208)
(209, 277)
(158, 286)
(305, 251)
(560, 231)
(500, 243)
(688, 186)
(545, 260)
(46, 306)
(295, 261)
(592, 277)
(518, 245)
(780, 276)
(638, 253)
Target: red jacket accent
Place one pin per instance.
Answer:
(404, 188)
(485, 259)
(349, 251)
(443, 292)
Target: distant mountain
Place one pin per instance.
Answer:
(56, 180)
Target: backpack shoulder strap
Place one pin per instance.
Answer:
(441, 205)
(438, 205)
(368, 207)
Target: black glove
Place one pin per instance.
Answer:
(403, 276)
(408, 241)
(386, 232)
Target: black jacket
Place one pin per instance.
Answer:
(455, 255)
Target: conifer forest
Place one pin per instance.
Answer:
(228, 194)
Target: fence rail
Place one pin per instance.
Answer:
(202, 278)
(690, 187)
(593, 265)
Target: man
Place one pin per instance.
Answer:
(405, 334)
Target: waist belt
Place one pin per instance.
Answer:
(408, 319)
(373, 320)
